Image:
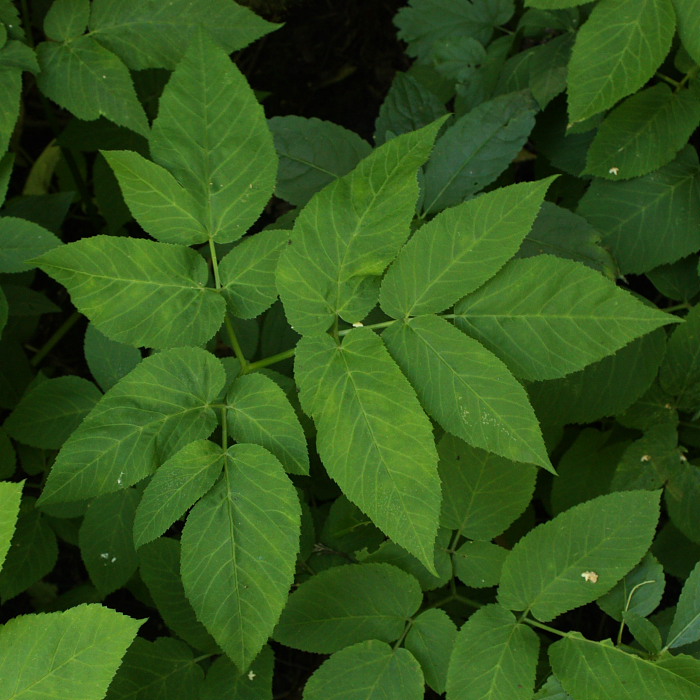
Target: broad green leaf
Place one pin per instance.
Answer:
(24, 301)
(654, 407)
(644, 133)
(476, 149)
(580, 554)
(373, 437)
(682, 498)
(460, 249)
(22, 240)
(348, 604)
(650, 220)
(11, 88)
(176, 486)
(644, 631)
(239, 549)
(371, 670)
(431, 639)
(163, 207)
(4, 310)
(675, 551)
(66, 19)
(680, 370)
(138, 292)
(32, 554)
(469, 391)
(106, 543)
(313, 153)
(408, 106)
(616, 51)
(228, 165)
(494, 657)
(51, 410)
(547, 317)
(557, 231)
(158, 408)
(155, 34)
(685, 627)
(248, 273)
(600, 671)
(679, 280)
(604, 388)
(426, 22)
(482, 492)
(164, 669)
(552, 690)
(258, 411)
(349, 232)
(108, 360)
(10, 496)
(479, 564)
(90, 81)
(6, 164)
(553, 4)
(74, 654)
(688, 21)
(225, 680)
(638, 592)
(347, 529)
(159, 567)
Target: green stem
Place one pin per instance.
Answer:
(406, 629)
(547, 628)
(273, 359)
(224, 429)
(372, 326)
(670, 81)
(214, 263)
(677, 307)
(55, 338)
(688, 76)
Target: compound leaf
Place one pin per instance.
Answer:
(154, 411)
(580, 554)
(239, 549)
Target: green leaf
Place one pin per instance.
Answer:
(680, 370)
(177, 485)
(6, 164)
(482, 492)
(138, 292)
(163, 207)
(347, 529)
(688, 27)
(11, 87)
(373, 437)
(313, 153)
(349, 232)
(616, 51)
(552, 690)
(239, 549)
(106, 544)
(22, 240)
(679, 280)
(685, 627)
(547, 317)
(66, 19)
(371, 670)
(155, 35)
(108, 360)
(476, 149)
(650, 220)
(682, 494)
(10, 496)
(348, 604)
(258, 411)
(557, 231)
(638, 592)
(51, 410)
(604, 537)
(494, 657)
(158, 408)
(248, 273)
(479, 564)
(644, 631)
(467, 389)
(227, 165)
(64, 646)
(90, 81)
(225, 680)
(408, 106)
(160, 670)
(4, 310)
(553, 4)
(431, 639)
(644, 133)
(159, 567)
(604, 388)
(599, 671)
(32, 554)
(460, 249)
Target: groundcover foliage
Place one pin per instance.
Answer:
(478, 475)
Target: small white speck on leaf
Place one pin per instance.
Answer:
(614, 170)
(104, 555)
(358, 324)
(645, 458)
(590, 576)
(251, 675)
